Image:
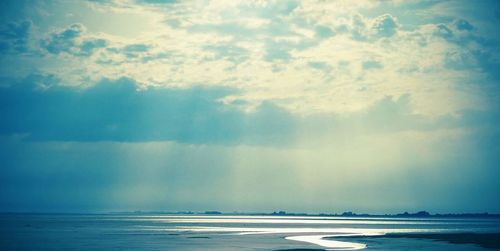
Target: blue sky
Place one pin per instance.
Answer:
(234, 105)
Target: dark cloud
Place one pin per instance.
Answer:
(134, 52)
(275, 53)
(469, 56)
(14, 37)
(116, 111)
(442, 30)
(323, 31)
(87, 47)
(72, 41)
(63, 41)
(462, 24)
(385, 25)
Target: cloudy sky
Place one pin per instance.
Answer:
(303, 106)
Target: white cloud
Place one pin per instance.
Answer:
(265, 49)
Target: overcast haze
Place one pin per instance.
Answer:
(303, 106)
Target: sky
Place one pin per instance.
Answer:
(250, 106)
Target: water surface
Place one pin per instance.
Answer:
(222, 232)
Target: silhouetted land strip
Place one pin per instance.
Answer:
(421, 214)
(485, 240)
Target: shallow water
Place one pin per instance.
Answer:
(204, 232)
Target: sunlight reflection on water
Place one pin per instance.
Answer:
(314, 233)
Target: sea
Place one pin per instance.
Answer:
(125, 231)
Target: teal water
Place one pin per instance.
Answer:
(193, 232)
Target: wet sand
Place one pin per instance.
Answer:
(485, 240)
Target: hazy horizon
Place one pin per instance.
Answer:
(394, 214)
(252, 106)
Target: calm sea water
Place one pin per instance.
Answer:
(193, 232)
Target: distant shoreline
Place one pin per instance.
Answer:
(421, 214)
